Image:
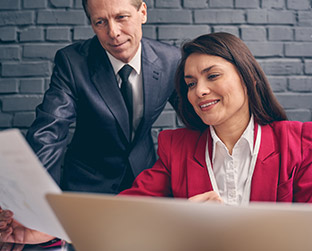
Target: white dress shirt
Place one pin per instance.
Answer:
(231, 171)
(135, 79)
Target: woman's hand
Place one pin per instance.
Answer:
(11, 231)
(207, 196)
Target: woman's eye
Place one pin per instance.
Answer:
(189, 85)
(213, 76)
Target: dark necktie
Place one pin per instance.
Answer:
(126, 91)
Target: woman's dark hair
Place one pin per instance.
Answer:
(262, 102)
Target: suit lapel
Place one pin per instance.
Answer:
(266, 173)
(151, 79)
(198, 180)
(104, 79)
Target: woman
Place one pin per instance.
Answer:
(239, 146)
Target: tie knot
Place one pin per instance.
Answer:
(124, 72)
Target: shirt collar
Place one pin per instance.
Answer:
(248, 135)
(135, 62)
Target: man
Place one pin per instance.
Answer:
(110, 145)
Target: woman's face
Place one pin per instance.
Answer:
(216, 91)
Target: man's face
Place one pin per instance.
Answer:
(118, 26)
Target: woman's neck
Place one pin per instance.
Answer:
(229, 134)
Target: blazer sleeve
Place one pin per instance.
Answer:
(48, 135)
(155, 181)
(303, 175)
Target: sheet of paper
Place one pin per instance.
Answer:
(24, 182)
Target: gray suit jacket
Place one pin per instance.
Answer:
(84, 90)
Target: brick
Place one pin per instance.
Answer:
(220, 17)
(149, 31)
(308, 66)
(295, 100)
(278, 84)
(16, 18)
(298, 4)
(58, 34)
(8, 86)
(273, 4)
(281, 17)
(221, 4)
(6, 119)
(155, 133)
(83, 33)
(303, 34)
(61, 3)
(23, 119)
(172, 16)
(266, 49)
(9, 52)
(32, 85)
(229, 29)
(166, 119)
(280, 67)
(149, 3)
(182, 32)
(195, 4)
(78, 4)
(298, 49)
(257, 16)
(280, 33)
(34, 4)
(32, 34)
(20, 103)
(8, 34)
(42, 68)
(44, 51)
(300, 84)
(246, 4)
(9, 4)
(302, 115)
(167, 4)
(253, 33)
(305, 18)
(74, 17)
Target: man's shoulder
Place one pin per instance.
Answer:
(79, 47)
(160, 48)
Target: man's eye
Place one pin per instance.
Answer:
(100, 22)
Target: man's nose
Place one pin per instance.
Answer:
(113, 29)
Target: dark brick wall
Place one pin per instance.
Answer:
(278, 32)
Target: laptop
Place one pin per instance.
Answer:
(100, 222)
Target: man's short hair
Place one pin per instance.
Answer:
(136, 3)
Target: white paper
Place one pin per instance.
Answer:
(24, 182)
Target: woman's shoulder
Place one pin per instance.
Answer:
(292, 129)
(180, 135)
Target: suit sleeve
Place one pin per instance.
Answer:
(155, 181)
(303, 177)
(48, 135)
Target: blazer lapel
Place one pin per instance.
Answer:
(151, 80)
(198, 180)
(266, 173)
(104, 79)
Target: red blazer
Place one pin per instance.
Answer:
(283, 170)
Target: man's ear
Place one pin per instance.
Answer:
(143, 11)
